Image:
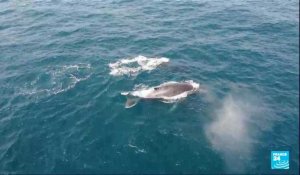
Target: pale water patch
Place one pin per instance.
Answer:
(133, 66)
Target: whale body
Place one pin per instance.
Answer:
(168, 92)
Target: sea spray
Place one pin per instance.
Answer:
(230, 133)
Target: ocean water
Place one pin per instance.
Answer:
(61, 110)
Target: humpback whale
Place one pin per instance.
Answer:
(168, 92)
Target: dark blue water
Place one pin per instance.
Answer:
(61, 111)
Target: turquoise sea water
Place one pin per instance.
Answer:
(61, 111)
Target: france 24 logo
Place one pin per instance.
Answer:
(280, 160)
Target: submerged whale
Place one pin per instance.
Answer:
(168, 92)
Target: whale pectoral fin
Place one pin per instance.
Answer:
(174, 106)
(131, 101)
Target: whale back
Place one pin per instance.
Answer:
(170, 90)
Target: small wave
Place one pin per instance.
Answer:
(56, 80)
(132, 67)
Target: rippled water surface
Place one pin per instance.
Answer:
(62, 112)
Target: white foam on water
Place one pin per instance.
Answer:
(143, 91)
(137, 149)
(60, 79)
(132, 67)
